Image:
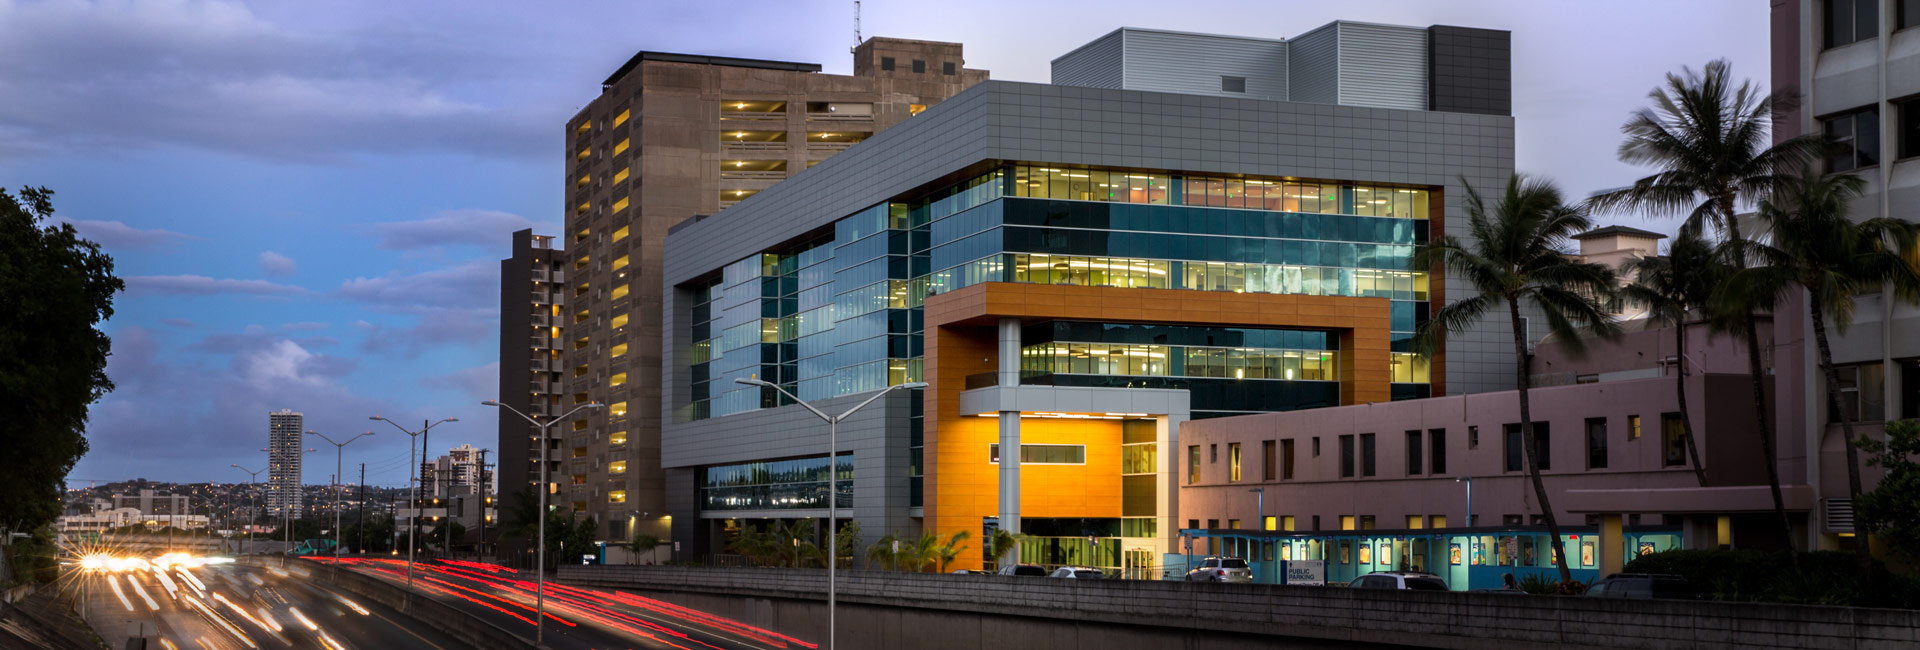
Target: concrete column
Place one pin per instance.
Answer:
(1611, 545)
(1166, 480)
(1009, 352)
(1010, 428)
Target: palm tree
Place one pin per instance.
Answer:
(1708, 137)
(919, 553)
(1004, 546)
(883, 553)
(793, 541)
(1516, 258)
(1815, 247)
(1672, 287)
(949, 550)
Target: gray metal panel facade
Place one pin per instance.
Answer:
(1178, 62)
(1098, 64)
(1313, 66)
(1469, 70)
(1000, 120)
(1383, 66)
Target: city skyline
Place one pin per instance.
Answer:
(249, 291)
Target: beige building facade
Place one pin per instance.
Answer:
(671, 137)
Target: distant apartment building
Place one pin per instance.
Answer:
(1856, 66)
(151, 502)
(152, 508)
(285, 439)
(462, 469)
(670, 136)
(1182, 227)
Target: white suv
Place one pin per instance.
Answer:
(1221, 569)
(1078, 572)
(1400, 580)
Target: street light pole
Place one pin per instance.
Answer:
(833, 480)
(253, 498)
(413, 493)
(540, 561)
(339, 451)
(286, 513)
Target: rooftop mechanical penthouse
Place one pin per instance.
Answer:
(1077, 272)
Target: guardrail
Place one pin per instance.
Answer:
(1479, 621)
(440, 616)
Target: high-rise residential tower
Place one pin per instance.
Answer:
(670, 136)
(285, 429)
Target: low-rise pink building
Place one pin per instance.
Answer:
(1613, 456)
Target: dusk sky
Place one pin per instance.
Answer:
(309, 200)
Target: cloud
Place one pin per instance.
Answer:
(272, 263)
(303, 326)
(181, 323)
(117, 236)
(200, 285)
(473, 285)
(180, 411)
(480, 382)
(454, 227)
(434, 328)
(214, 75)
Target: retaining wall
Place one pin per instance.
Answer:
(883, 609)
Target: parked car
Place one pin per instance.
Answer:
(1644, 585)
(1399, 580)
(1024, 570)
(1079, 573)
(1221, 569)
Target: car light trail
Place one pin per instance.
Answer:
(303, 619)
(244, 614)
(164, 643)
(197, 585)
(356, 606)
(431, 588)
(222, 620)
(267, 616)
(331, 644)
(151, 606)
(167, 582)
(114, 581)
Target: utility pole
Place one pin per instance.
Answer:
(480, 487)
(362, 546)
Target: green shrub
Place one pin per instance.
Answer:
(1824, 577)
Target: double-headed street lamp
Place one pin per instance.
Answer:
(833, 477)
(540, 561)
(339, 450)
(253, 497)
(413, 491)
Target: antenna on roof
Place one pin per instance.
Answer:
(856, 26)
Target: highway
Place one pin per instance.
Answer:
(577, 619)
(228, 606)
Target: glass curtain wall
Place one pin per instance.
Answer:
(842, 316)
(793, 484)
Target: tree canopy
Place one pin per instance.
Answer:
(55, 289)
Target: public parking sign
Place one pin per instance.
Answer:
(1307, 572)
